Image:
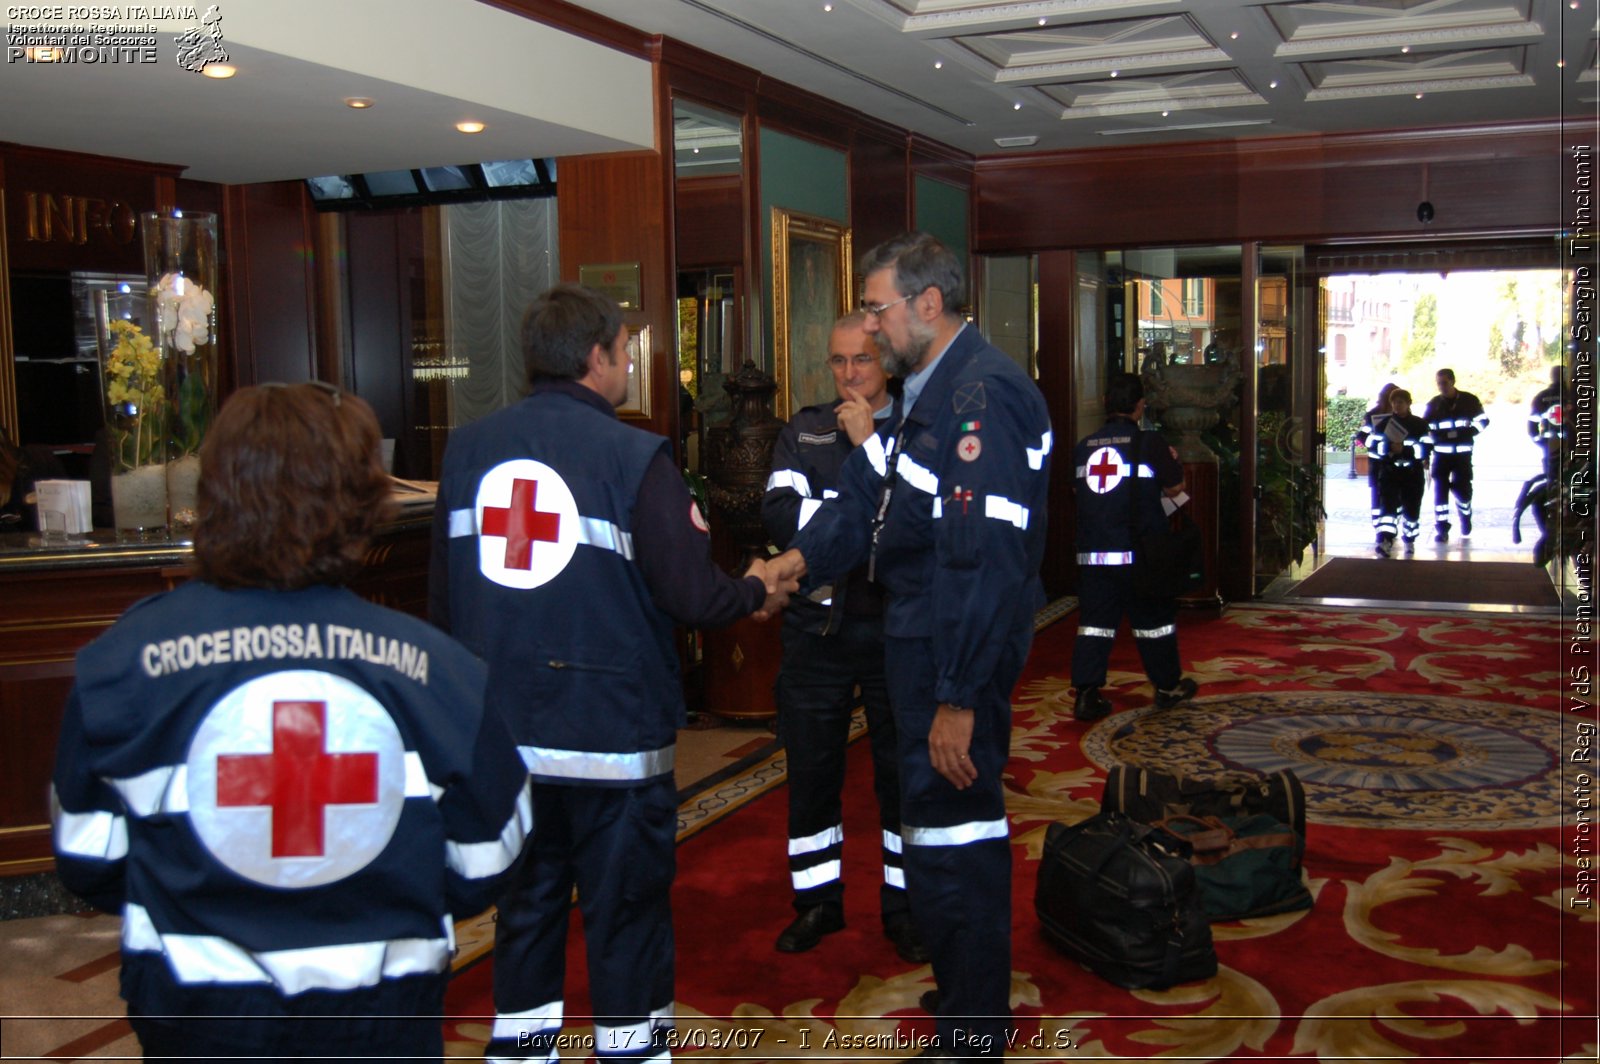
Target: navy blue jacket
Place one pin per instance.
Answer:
(287, 796)
(565, 546)
(806, 460)
(1121, 473)
(960, 544)
(1454, 422)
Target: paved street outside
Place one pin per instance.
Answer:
(1504, 457)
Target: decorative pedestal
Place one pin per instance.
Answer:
(740, 662)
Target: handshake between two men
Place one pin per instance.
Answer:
(781, 574)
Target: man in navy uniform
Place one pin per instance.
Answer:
(286, 791)
(833, 645)
(565, 547)
(946, 506)
(1454, 420)
(1128, 482)
(1398, 444)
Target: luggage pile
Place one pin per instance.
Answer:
(1130, 893)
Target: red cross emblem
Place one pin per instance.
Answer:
(298, 780)
(968, 448)
(522, 523)
(1104, 470)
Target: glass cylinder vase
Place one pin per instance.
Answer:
(132, 383)
(180, 260)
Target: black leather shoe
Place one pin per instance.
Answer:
(1185, 690)
(809, 927)
(1090, 704)
(1466, 524)
(902, 931)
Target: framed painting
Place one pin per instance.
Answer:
(638, 401)
(811, 289)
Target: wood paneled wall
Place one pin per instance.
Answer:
(269, 233)
(1304, 189)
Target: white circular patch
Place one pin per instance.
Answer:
(527, 524)
(1105, 470)
(296, 779)
(968, 448)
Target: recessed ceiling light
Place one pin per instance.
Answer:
(219, 70)
(471, 127)
(938, 64)
(1405, 49)
(827, 7)
(1043, 21)
(1272, 84)
(1017, 106)
(1165, 114)
(1233, 36)
(1419, 95)
(1114, 73)
(1017, 142)
(359, 103)
(43, 53)
(1561, 64)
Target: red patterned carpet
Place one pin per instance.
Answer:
(1439, 853)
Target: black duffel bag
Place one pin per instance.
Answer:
(1119, 897)
(1149, 796)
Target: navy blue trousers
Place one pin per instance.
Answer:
(816, 695)
(1105, 593)
(616, 846)
(958, 851)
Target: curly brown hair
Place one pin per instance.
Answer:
(292, 487)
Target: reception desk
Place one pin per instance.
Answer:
(57, 596)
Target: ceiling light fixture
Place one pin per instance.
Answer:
(1114, 73)
(1017, 106)
(938, 64)
(46, 53)
(1042, 21)
(1405, 49)
(1272, 84)
(220, 71)
(827, 7)
(471, 127)
(358, 103)
(1233, 36)
(1419, 95)
(1166, 114)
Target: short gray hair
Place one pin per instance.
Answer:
(920, 261)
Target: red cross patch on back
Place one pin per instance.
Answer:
(296, 778)
(527, 524)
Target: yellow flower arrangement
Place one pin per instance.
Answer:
(137, 399)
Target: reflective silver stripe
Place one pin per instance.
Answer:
(918, 477)
(958, 834)
(479, 860)
(829, 493)
(876, 455)
(938, 508)
(1036, 456)
(195, 959)
(1142, 470)
(417, 783)
(632, 1040)
(892, 842)
(1106, 557)
(808, 510)
(99, 835)
(820, 841)
(815, 876)
(520, 1026)
(588, 765)
(592, 531)
(895, 877)
(1003, 509)
(1453, 448)
(1097, 633)
(790, 478)
(1155, 633)
(598, 532)
(161, 790)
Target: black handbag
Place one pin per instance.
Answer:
(1120, 898)
(1171, 561)
(1150, 796)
